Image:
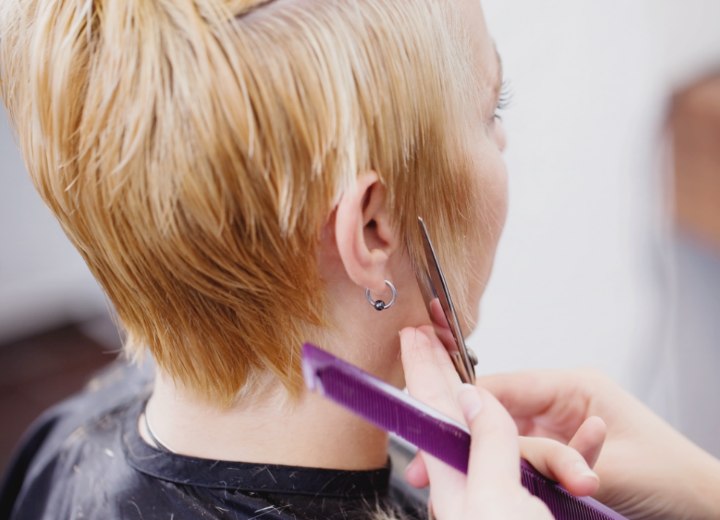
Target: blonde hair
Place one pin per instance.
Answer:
(193, 149)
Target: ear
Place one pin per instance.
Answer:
(363, 232)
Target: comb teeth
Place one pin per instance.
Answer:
(386, 407)
(444, 440)
(560, 502)
(396, 412)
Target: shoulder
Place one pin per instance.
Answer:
(71, 463)
(84, 459)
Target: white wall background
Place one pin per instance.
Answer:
(584, 274)
(43, 280)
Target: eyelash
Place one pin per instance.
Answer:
(504, 100)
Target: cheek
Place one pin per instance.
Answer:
(492, 197)
(499, 194)
(492, 193)
(492, 180)
(499, 135)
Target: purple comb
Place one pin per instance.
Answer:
(429, 430)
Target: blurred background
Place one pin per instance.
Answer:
(611, 253)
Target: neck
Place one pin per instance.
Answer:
(311, 431)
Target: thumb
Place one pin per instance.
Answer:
(494, 450)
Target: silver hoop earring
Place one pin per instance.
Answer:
(379, 304)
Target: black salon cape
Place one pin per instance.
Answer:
(84, 459)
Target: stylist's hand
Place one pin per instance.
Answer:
(647, 469)
(491, 489)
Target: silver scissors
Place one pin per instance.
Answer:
(442, 311)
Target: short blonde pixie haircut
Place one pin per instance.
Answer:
(192, 150)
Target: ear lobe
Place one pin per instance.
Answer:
(365, 238)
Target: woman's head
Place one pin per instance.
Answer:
(194, 152)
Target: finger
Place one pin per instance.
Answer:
(416, 472)
(418, 356)
(523, 394)
(446, 483)
(494, 453)
(546, 403)
(428, 370)
(437, 315)
(589, 439)
(560, 463)
(441, 326)
(425, 376)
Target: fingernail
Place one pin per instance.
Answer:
(583, 470)
(407, 330)
(404, 334)
(470, 401)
